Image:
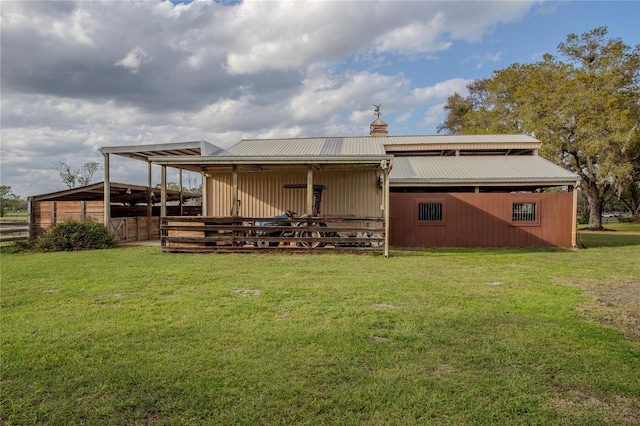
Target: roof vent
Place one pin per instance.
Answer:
(378, 128)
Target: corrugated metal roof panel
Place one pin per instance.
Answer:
(478, 169)
(457, 139)
(362, 145)
(333, 147)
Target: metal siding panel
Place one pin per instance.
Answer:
(349, 192)
(219, 187)
(482, 220)
(263, 194)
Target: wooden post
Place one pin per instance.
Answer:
(181, 194)
(83, 210)
(149, 200)
(53, 214)
(163, 192)
(310, 191)
(107, 191)
(30, 214)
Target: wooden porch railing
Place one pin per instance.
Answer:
(240, 234)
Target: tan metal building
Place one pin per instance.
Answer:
(419, 191)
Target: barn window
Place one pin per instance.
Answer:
(524, 212)
(431, 212)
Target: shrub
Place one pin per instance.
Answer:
(584, 219)
(73, 235)
(633, 219)
(22, 246)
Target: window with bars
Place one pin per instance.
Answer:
(524, 212)
(430, 212)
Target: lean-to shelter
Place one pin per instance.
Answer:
(134, 209)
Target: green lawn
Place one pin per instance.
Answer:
(135, 336)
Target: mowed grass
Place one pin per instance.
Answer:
(134, 336)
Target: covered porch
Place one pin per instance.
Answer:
(310, 203)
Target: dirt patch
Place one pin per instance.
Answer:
(246, 292)
(614, 304)
(442, 370)
(385, 306)
(622, 410)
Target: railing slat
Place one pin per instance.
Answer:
(316, 234)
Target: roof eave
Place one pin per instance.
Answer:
(483, 182)
(284, 160)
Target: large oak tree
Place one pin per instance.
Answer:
(584, 107)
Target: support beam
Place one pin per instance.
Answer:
(310, 191)
(205, 195)
(163, 192)
(235, 208)
(387, 170)
(574, 216)
(107, 191)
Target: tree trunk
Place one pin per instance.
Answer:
(595, 207)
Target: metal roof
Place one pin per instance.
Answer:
(309, 147)
(144, 152)
(478, 170)
(367, 145)
(459, 139)
(120, 193)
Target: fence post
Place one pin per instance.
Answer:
(30, 218)
(53, 214)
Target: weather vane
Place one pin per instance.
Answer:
(377, 110)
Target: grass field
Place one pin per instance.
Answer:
(14, 217)
(132, 336)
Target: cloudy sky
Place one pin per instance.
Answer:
(76, 76)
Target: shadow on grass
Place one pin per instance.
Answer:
(485, 251)
(607, 238)
(618, 235)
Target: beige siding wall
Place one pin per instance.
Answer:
(349, 192)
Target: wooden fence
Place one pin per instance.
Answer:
(235, 234)
(14, 231)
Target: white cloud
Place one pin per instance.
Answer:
(206, 70)
(78, 27)
(414, 37)
(434, 114)
(134, 60)
(440, 90)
